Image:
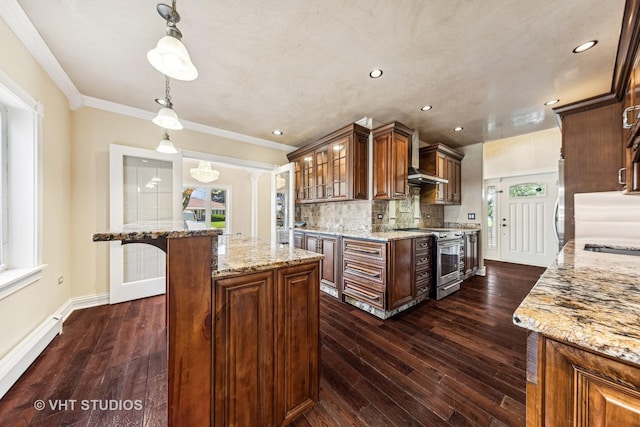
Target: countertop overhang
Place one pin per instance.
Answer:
(589, 299)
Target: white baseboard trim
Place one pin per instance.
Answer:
(18, 360)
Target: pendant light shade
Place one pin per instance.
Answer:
(171, 58)
(168, 119)
(166, 146)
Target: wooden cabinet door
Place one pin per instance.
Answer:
(307, 178)
(329, 265)
(399, 160)
(243, 349)
(297, 342)
(298, 240)
(322, 178)
(358, 168)
(456, 188)
(401, 285)
(339, 180)
(390, 161)
(581, 388)
(381, 166)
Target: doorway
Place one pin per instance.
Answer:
(519, 213)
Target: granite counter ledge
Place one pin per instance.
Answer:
(239, 255)
(380, 236)
(588, 299)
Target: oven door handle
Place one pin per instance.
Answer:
(444, 288)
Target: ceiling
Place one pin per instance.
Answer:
(303, 67)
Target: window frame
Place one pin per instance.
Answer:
(22, 220)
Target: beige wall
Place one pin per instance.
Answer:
(24, 310)
(522, 155)
(76, 191)
(471, 187)
(92, 132)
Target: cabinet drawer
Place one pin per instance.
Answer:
(423, 287)
(423, 245)
(363, 293)
(423, 261)
(423, 275)
(369, 272)
(361, 248)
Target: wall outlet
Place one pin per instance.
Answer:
(471, 215)
(380, 216)
(60, 280)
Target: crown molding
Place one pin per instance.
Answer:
(15, 17)
(139, 113)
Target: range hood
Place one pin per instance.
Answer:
(415, 175)
(418, 177)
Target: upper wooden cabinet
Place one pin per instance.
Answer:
(334, 167)
(391, 144)
(444, 162)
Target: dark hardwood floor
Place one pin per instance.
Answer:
(455, 362)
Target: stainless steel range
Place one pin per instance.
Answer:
(447, 261)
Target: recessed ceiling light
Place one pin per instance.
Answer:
(585, 46)
(277, 132)
(551, 102)
(375, 73)
(458, 128)
(426, 108)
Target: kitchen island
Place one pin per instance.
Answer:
(583, 359)
(242, 325)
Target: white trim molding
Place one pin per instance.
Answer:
(139, 113)
(18, 360)
(15, 17)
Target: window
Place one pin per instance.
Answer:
(20, 145)
(208, 207)
(528, 190)
(492, 229)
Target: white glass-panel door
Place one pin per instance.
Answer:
(145, 186)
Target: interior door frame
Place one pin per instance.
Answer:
(118, 292)
(289, 167)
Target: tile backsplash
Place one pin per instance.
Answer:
(370, 215)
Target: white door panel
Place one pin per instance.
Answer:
(526, 221)
(144, 186)
(520, 219)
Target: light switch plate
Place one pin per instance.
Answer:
(471, 215)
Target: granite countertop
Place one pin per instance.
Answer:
(381, 236)
(146, 230)
(590, 299)
(384, 236)
(237, 254)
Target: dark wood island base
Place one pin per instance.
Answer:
(242, 327)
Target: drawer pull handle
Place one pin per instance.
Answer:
(363, 294)
(361, 270)
(364, 249)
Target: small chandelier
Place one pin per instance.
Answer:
(167, 117)
(204, 172)
(170, 56)
(166, 146)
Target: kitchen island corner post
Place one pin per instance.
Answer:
(190, 261)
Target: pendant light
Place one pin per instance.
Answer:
(167, 117)
(204, 172)
(166, 146)
(170, 56)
